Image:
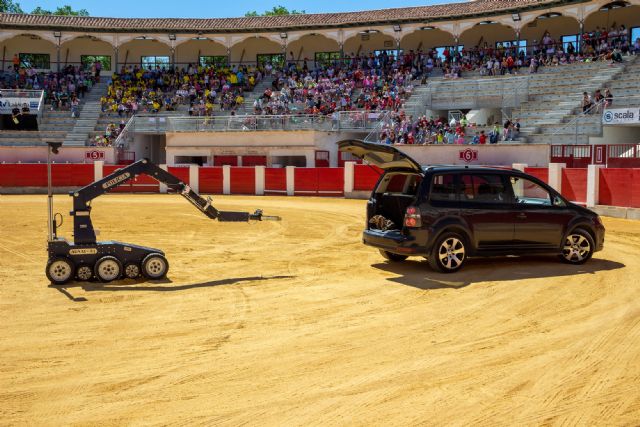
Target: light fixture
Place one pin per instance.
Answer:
(172, 37)
(199, 38)
(397, 28)
(141, 38)
(283, 36)
(427, 27)
(485, 22)
(57, 34)
(515, 17)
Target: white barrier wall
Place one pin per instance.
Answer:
(38, 154)
(535, 155)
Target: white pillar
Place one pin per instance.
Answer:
(98, 170)
(260, 180)
(555, 175)
(239, 160)
(226, 179)
(593, 185)
(194, 178)
(349, 174)
(163, 187)
(291, 177)
(519, 166)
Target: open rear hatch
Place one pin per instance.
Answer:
(384, 156)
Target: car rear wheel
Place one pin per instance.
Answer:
(392, 257)
(578, 247)
(449, 253)
(60, 270)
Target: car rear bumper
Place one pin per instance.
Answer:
(394, 241)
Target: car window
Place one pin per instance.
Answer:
(443, 188)
(483, 188)
(528, 192)
(396, 184)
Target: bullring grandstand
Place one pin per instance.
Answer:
(296, 322)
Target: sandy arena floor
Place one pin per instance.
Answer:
(298, 323)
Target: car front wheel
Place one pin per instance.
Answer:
(578, 247)
(449, 253)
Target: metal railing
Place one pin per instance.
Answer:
(343, 121)
(124, 139)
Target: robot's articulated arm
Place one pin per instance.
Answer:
(83, 228)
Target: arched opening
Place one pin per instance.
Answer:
(201, 50)
(316, 49)
(563, 30)
(145, 52)
(427, 38)
(257, 50)
(615, 15)
(31, 51)
(487, 34)
(365, 43)
(85, 51)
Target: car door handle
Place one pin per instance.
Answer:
(521, 215)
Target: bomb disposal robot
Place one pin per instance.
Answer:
(85, 258)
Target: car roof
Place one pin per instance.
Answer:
(458, 168)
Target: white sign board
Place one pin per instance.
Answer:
(8, 104)
(621, 116)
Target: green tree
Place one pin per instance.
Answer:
(8, 6)
(276, 11)
(62, 10)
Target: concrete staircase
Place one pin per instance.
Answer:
(554, 116)
(89, 115)
(250, 97)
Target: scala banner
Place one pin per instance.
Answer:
(8, 104)
(621, 116)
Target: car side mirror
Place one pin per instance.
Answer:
(557, 201)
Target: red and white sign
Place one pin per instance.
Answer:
(94, 155)
(468, 155)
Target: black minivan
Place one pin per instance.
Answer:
(450, 213)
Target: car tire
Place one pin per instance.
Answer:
(449, 253)
(578, 247)
(392, 257)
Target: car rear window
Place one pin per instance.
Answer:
(443, 188)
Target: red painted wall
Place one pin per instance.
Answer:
(275, 181)
(210, 180)
(365, 177)
(541, 173)
(620, 187)
(35, 175)
(243, 180)
(574, 184)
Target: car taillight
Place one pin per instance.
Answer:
(412, 217)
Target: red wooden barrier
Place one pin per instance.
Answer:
(275, 181)
(243, 180)
(139, 184)
(620, 187)
(35, 175)
(330, 182)
(306, 182)
(210, 180)
(181, 172)
(541, 173)
(574, 184)
(365, 177)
